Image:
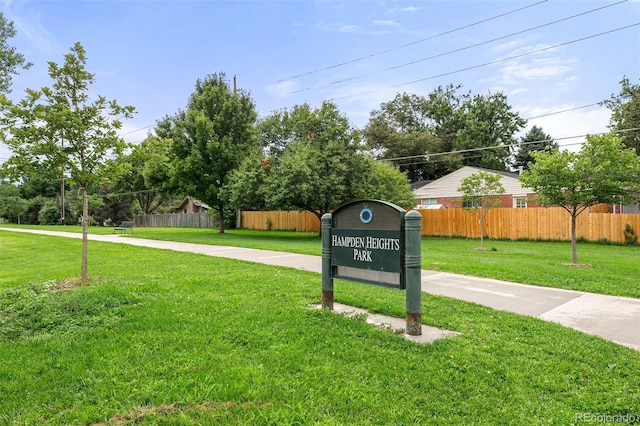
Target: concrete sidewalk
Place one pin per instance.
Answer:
(613, 318)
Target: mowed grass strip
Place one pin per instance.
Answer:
(613, 270)
(161, 337)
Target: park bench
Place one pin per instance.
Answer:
(124, 226)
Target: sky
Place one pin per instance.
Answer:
(555, 59)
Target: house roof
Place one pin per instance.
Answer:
(196, 203)
(419, 184)
(447, 186)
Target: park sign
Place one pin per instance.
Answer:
(367, 242)
(374, 242)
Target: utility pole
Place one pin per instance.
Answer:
(62, 187)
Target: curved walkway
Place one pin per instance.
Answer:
(614, 318)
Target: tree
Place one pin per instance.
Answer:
(490, 123)
(444, 131)
(60, 128)
(10, 60)
(318, 163)
(210, 139)
(148, 179)
(625, 114)
(400, 129)
(313, 172)
(481, 192)
(383, 181)
(603, 171)
(12, 206)
(535, 140)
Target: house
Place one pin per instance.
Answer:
(191, 205)
(443, 192)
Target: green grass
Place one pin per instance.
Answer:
(615, 268)
(161, 337)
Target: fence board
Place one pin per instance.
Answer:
(552, 223)
(174, 220)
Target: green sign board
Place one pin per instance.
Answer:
(373, 250)
(367, 243)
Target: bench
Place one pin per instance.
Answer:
(124, 226)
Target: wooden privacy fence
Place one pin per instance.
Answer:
(553, 223)
(174, 220)
(301, 221)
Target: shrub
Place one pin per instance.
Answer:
(49, 214)
(630, 237)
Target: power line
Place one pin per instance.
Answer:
(532, 52)
(484, 148)
(412, 43)
(470, 46)
(561, 111)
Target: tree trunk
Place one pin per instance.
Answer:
(85, 232)
(221, 218)
(481, 215)
(574, 251)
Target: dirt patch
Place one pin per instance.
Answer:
(165, 410)
(578, 265)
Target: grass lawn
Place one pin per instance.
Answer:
(161, 337)
(615, 269)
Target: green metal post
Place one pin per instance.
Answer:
(327, 280)
(413, 271)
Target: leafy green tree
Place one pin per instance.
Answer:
(439, 133)
(60, 128)
(210, 140)
(384, 181)
(625, 113)
(604, 171)
(12, 206)
(313, 173)
(318, 163)
(489, 122)
(481, 192)
(399, 131)
(11, 61)
(535, 140)
(147, 179)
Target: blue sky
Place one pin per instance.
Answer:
(358, 53)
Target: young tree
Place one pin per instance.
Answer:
(604, 171)
(625, 113)
(210, 139)
(60, 128)
(535, 140)
(481, 192)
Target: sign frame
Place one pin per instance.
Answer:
(374, 242)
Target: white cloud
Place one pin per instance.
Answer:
(349, 28)
(28, 23)
(568, 127)
(282, 89)
(386, 23)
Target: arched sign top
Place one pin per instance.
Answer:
(368, 214)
